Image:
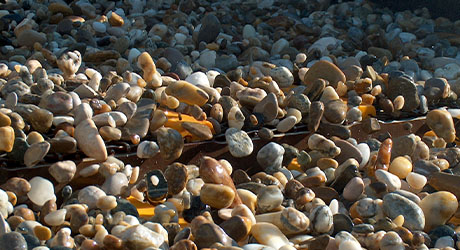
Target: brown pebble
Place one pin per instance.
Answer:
(184, 245)
(17, 185)
(14, 221)
(42, 233)
(177, 177)
(112, 242)
(25, 213)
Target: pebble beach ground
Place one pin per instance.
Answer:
(77, 77)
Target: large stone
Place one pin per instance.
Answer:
(400, 84)
(90, 141)
(170, 142)
(395, 205)
(187, 93)
(239, 143)
(210, 28)
(324, 70)
(438, 208)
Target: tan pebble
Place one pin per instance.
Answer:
(14, 221)
(87, 230)
(4, 120)
(158, 120)
(398, 102)
(63, 238)
(187, 93)
(286, 124)
(325, 163)
(12, 198)
(416, 181)
(439, 143)
(112, 242)
(90, 170)
(441, 122)
(268, 234)
(438, 208)
(63, 171)
(109, 133)
(42, 233)
(399, 220)
(34, 137)
(6, 138)
(248, 198)
(354, 189)
(324, 70)
(25, 213)
(89, 140)
(116, 20)
(36, 152)
(217, 195)
(443, 164)
(401, 167)
(235, 118)
(107, 203)
(56, 218)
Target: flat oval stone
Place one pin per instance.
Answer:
(41, 190)
(347, 151)
(187, 93)
(90, 195)
(35, 153)
(217, 195)
(324, 70)
(201, 131)
(6, 138)
(147, 149)
(270, 157)
(335, 111)
(441, 122)
(115, 183)
(269, 235)
(321, 219)
(438, 208)
(286, 124)
(269, 198)
(392, 181)
(170, 142)
(237, 227)
(63, 171)
(395, 205)
(59, 103)
(400, 166)
(354, 189)
(268, 107)
(90, 141)
(239, 143)
(56, 218)
(177, 176)
(41, 120)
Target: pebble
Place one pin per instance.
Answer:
(270, 157)
(90, 141)
(63, 171)
(324, 70)
(239, 143)
(438, 207)
(395, 205)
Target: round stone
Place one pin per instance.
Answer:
(41, 190)
(438, 208)
(239, 142)
(217, 195)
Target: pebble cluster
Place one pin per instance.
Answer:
(77, 77)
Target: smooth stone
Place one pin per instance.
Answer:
(269, 198)
(402, 85)
(347, 151)
(239, 143)
(290, 220)
(300, 102)
(400, 166)
(210, 28)
(82, 112)
(4, 120)
(114, 184)
(198, 79)
(282, 76)
(392, 181)
(13, 240)
(41, 190)
(201, 131)
(235, 118)
(187, 93)
(117, 91)
(41, 120)
(314, 118)
(176, 175)
(335, 111)
(147, 149)
(324, 70)
(65, 145)
(141, 237)
(90, 195)
(441, 122)
(391, 241)
(438, 208)
(395, 205)
(411, 196)
(321, 219)
(286, 124)
(341, 223)
(170, 142)
(416, 181)
(403, 145)
(426, 168)
(63, 171)
(208, 234)
(55, 218)
(35, 153)
(269, 235)
(270, 157)
(354, 189)
(211, 171)
(59, 103)
(217, 195)
(118, 117)
(237, 227)
(90, 141)
(6, 138)
(110, 134)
